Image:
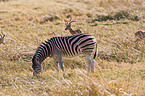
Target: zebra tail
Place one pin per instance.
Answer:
(96, 52)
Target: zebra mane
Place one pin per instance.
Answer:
(34, 57)
(37, 51)
(41, 45)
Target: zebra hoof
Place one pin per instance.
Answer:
(34, 73)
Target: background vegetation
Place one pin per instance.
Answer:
(119, 68)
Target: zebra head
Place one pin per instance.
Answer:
(37, 67)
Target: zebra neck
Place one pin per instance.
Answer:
(41, 59)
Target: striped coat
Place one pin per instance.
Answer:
(58, 47)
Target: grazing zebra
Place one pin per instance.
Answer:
(57, 47)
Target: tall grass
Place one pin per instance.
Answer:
(119, 69)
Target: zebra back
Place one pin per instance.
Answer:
(67, 46)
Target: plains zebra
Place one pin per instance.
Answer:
(58, 47)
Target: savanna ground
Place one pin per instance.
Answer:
(119, 68)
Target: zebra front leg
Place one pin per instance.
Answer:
(90, 63)
(56, 66)
(59, 58)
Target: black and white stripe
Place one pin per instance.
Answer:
(58, 47)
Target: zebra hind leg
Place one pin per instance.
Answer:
(90, 63)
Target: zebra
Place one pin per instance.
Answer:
(58, 47)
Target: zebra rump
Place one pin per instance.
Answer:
(58, 47)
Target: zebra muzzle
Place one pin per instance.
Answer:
(36, 73)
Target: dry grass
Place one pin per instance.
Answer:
(119, 69)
